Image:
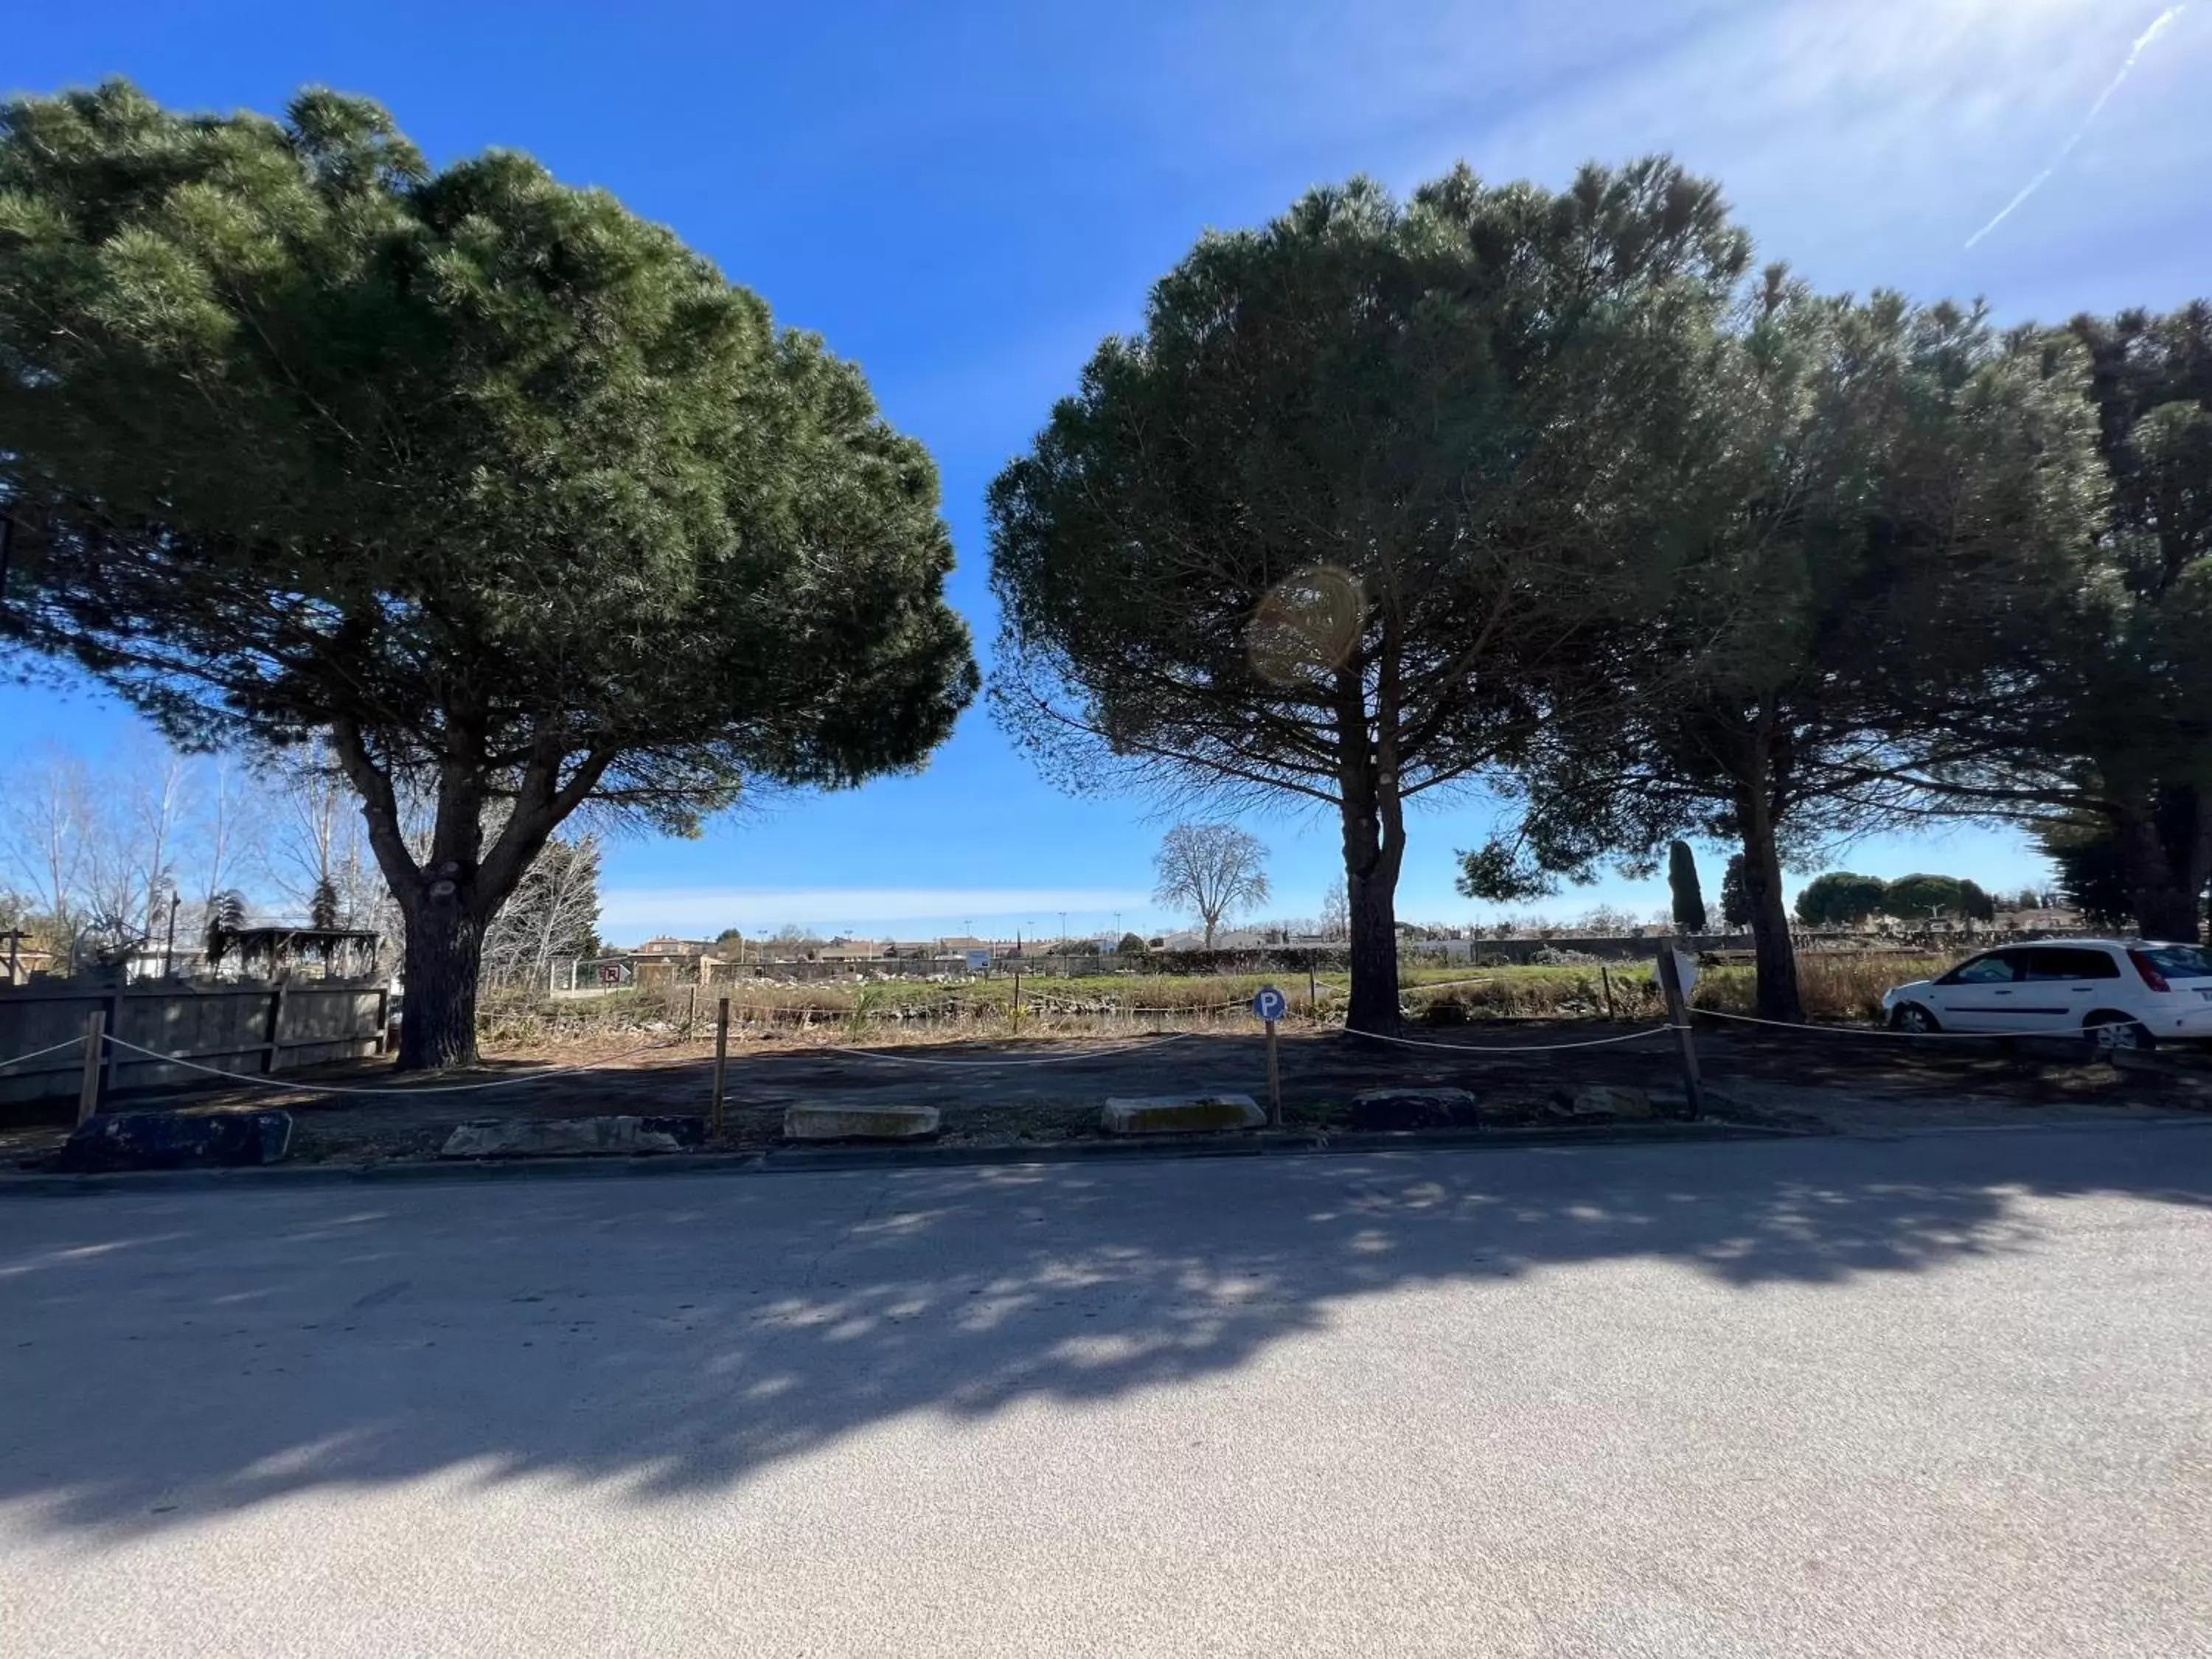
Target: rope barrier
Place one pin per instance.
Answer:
(39, 1054)
(1515, 1048)
(1913, 1037)
(298, 1087)
(1900, 1037)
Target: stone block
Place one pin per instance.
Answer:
(558, 1137)
(1381, 1109)
(177, 1141)
(1611, 1100)
(1180, 1115)
(859, 1122)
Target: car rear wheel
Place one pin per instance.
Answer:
(1911, 1017)
(2110, 1030)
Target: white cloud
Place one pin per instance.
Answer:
(1862, 140)
(2165, 20)
(634, 912)
(1885, 111)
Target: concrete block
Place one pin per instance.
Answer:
(1180, 1115)
(1612, 1100)
(177, 1141)
(859, 1122)
(558, 1137)
(1377, 1110)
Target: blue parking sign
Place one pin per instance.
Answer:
(1270, 1005)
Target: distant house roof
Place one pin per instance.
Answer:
(857, 949)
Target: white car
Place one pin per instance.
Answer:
(2128, 993)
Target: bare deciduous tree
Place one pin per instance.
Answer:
(552, 915)
(100, 848)
(314, 852)
(1335, 912)
(1213, 869)
(41, 835)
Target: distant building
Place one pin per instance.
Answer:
(20, 959)
(854, 949)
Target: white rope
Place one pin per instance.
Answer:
(294, 1086)
(1901, 1036)
(994, 1065)
(1513, 1048)
(40, 1054)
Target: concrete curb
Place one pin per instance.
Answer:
(820, 1159)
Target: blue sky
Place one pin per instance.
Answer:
(964, 197)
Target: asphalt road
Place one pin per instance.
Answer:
(1935, 1395)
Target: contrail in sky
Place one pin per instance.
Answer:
(2164, 22)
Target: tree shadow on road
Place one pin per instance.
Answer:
(174, 1356)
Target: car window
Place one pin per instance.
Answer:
(1995, 969)
(2052, 963)
(2180, 961)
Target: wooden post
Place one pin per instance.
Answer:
(88, 1088)
(275, 1028)
(1274, 1081)
(383, 1018)
(1606, 980)
(691, 1011)
(1677, 1016)
(113, 1056)
(1313, 989)
(721, 1062)
(1017, 1003)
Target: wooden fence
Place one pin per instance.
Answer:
(253, 1028)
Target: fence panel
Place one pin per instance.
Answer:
(222, 1025)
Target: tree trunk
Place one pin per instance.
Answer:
(1776, 961)
(2167, 902)
(449, 898)
(1371, 885)
(445, 951)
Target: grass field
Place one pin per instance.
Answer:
(1838, 986)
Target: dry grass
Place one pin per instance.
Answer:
(1540, 994)
(1842, 986)
(1838, 986)
(508, 1021)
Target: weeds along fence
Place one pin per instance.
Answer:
(1843, 987)
(983, 1007)
(1837, 988)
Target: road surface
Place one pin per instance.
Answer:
(1935, 1395)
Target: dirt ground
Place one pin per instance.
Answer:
(998, 1093)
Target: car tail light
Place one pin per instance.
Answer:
(2148, 969)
